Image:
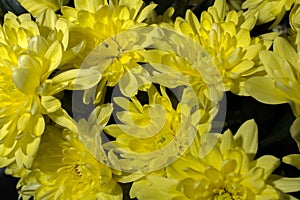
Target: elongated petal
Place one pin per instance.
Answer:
(54, 54)
(285, 184)
(293, 159)
(285, 49)
(62, 118)
(295, 131)
(35, 7)
(247, 137)
(145, 12)
(50, 103)
(263, 90)
(77, 79)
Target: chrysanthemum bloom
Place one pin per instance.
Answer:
(151, 135)
(30, 53)
(223, 170)
(98, 21)
(226, 37)
(35, 7)
(205, 80)
(281, 85)
(65, 168)
(268, 10)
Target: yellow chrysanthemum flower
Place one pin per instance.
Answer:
(98, 21)
(73, 165)
(35, 7)
(226, 37)
(267, 10)
(30, 53)
(205, 80)
(282, 84)
(223, 170)
(153, 134)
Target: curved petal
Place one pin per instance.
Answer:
(295, 131)
(247, 137)
(293, 159)
(76, 79)
(285, 184)
(263, 90)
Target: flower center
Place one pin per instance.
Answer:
(77, 170)
(233, 192)
(223, 194)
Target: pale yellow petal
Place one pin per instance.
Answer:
(263, 90)
(295, 131)
(77, 79)
(54, 54)
(293, 159)
(268, 163)
(62, 118)
(247, 137)
(286, 50)
(285, 184)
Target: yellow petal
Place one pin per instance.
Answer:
(88, 5)
(285, 184)
(145, 12)
(268, 163)
(227, 141)
(38, 44)
(128, 84)
(62, 118)
(77, 79)
(220, 5)
(26, 80)
(247, 137)
(295, 131)
(50, 103)
(263, 90)
(193, 21)
(54, 54)
(35, 7)
(47, 18)
(286, 50)
(293, 159)
(23, 121)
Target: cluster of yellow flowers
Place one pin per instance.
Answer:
(110, 92)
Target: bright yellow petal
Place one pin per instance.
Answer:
(35, 7)
(50, 103)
